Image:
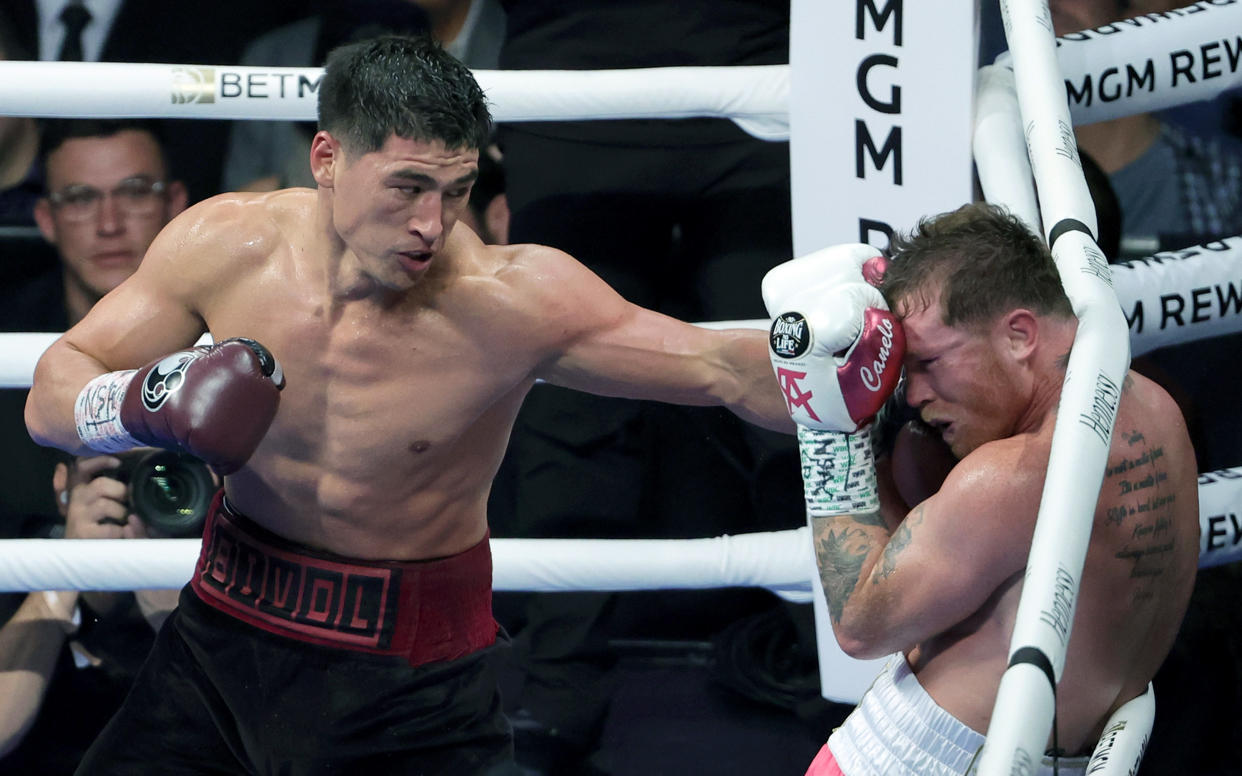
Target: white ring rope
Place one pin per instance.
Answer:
(1152, 62)
(1121, 745)
(1169, 298)
(1026, 699)
(780, 561)
(999, 147)
(756, 97)
(1159, 61)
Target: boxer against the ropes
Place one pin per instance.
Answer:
(988, 331)
(340, 615)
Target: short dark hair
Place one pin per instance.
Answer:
(55, 132)
(405, 85)
(983, 260)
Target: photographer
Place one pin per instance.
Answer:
(107, 497)
(67, 658)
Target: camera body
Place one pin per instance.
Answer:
(170, 491)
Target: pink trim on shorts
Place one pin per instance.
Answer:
(824, 764)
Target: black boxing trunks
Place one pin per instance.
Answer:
(285, 660)
(424, 610)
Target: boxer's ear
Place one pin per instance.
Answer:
(1019, 332)
(325, 156)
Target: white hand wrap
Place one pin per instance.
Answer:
(838, 472)
(97, 413)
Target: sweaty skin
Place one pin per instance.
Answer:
(942, 583)
(407, 344)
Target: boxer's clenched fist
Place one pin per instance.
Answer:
(214, 402)
(835, 346)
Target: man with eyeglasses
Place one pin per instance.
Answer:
(67, 659)
(99, 239)
(108, 195)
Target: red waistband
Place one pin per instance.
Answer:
(424, 610)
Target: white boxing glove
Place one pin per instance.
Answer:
(835, 347)
(832, 266)
(837, 352)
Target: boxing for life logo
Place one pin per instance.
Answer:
(790, 337)
(193, 85)
(162, 381)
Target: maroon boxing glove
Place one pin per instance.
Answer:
(213, 402)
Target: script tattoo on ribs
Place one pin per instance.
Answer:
(1137, 483)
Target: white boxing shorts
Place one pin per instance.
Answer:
(898, 730)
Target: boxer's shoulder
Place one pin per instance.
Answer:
(550, 299)
(544, 280)
(529, 265)
(237, 225)
(1003, 475)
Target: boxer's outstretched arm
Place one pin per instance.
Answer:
(614, 348)
(151, 314)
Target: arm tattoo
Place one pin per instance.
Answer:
(869, 518)
(899, 541)
(840, 556)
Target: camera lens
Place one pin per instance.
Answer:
(172, 492)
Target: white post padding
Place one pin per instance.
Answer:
(880, 113)
(756, 97)
(1023, 713)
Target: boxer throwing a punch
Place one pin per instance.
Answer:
(371, 357)
(987, 331)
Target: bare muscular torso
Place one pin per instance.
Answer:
(406, 357)
(395, 416)
(1138, 575)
